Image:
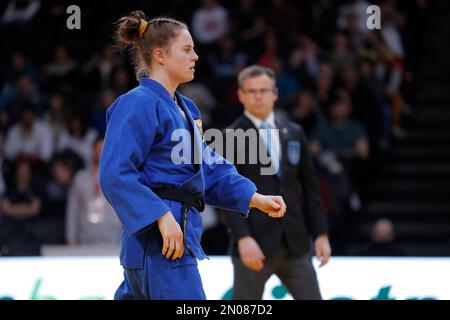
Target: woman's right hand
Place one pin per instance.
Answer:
(172, 235)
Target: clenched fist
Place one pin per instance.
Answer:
(274, 206)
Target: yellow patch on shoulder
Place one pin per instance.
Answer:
(198, 122)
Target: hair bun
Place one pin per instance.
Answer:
(128, 27)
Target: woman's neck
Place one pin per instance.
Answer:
(165, 81)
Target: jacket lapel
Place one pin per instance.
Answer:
(196, 137)
(284, 136)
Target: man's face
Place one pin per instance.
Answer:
(258, 95)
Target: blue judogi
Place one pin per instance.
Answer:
(136, 158)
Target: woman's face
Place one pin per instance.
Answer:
(181, 58)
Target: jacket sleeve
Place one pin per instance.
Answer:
(314, 211)
(132, 124)
(224, 187)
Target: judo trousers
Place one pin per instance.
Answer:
(162, 279)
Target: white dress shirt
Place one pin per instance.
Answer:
(275, 134)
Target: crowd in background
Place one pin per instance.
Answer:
(350, 88)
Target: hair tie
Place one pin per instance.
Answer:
(143, 24)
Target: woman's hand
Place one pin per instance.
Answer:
(172, 235)
(274, 206)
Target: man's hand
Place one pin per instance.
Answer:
(323, 249)
(274, 206)
(172, 236)
(251, 254)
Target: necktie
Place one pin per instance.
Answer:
(271, 150)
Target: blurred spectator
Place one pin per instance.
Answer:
(62, 72)
(270, 49)
(342, 135)
(341, 55)
(209, 22)
(20, 11)
(326, 69)
(56, 117)
(284, 17)
(304, 59)
(323, 86)
(30, 138)
(307, 113)
(62, 63)
(379, 121)
(100, 68)
(390, 70)
(12, 101)
(20, 205)
(357, 8)
(248, 27)
(356, 38)
(79, 137)
(107, 97)
(50, 226)
(18, 66)
(287, 84)
(392, 22)
(225, 65)
(382, 238)
(367, 105)
(90, 218)
(121, 81)
(346, 140)
(228, 62)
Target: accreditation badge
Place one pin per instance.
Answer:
(293, 152)
(198, 122)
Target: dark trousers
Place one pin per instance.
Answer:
(296, 273)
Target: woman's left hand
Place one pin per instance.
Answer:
(274, 206)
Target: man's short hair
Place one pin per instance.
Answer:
(255, 71)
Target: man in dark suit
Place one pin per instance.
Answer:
(262, 246)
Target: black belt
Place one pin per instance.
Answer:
(189, 200)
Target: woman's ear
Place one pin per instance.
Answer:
(159, 56)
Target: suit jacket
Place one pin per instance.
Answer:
(297, 185)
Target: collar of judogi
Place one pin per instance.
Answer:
(156, 87)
